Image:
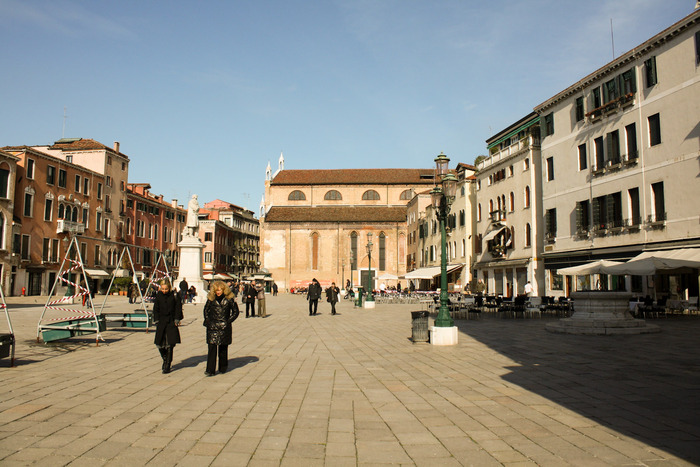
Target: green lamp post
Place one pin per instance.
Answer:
(370, 297)
(442, 196)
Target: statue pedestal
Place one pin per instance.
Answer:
(191, 266)
(601, 313)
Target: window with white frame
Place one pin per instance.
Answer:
(28, 202)
(48, 209)
(30, 169)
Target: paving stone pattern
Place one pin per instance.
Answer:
(352, 389)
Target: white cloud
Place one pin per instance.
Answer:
(65, 17)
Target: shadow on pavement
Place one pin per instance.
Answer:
(240, 362)
(644, 386)
(190, 362)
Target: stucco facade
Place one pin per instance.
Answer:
(508, 243)
(317, 222)
(54, 201)
(9, 261)
(620, 159)
(153, 227)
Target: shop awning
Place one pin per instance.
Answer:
(96, 273)
(491, 235)
(429, 273)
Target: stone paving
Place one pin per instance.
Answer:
(352, 389)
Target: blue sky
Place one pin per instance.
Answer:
(202, 94)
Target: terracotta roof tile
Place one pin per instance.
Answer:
(82, 144)
(354, 177)
(336, 214)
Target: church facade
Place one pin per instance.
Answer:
(319, 223)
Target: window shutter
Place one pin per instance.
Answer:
(579, 217)
(610, 210)
(596, 213)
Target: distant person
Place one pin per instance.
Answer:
(312, 295)
(528, 288)
(132, 292)
(249, 296)
(262, 312)
(275, 289)
(167, 314)
(184, 289)
(220, 311)
(332, 294)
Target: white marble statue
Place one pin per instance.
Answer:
(192, 224)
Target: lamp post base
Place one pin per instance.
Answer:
(444, 336)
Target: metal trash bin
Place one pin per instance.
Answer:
(7, 342)
(419, 326)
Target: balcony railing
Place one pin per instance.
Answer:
(511, 150)
(657, 220)
(498, 215)
(66, 226)
(611, 107)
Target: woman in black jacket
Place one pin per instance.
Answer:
(219, 312)
(167, 314)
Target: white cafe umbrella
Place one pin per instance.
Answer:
(602, 266)
(387, 277)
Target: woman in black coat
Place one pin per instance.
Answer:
(219, 312)
(167, 314)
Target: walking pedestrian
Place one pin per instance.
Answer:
(167, 314)
(262, 312)
(312, 295)
(184, 289)
(132, 292)
(249, 295)
(275, 289)
(220, 311)
(332, 294)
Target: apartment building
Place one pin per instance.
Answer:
(231, 237)
(425, 237)
(508, 242)
(55, 201)
(153, 227)
(110, 163)
(619, 157)
(9, 259)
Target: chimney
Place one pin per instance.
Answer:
(116, 147)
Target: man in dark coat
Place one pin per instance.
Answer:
(184, 288)
(312, 295)
(332, 294)
(249, 296)
(167, 314)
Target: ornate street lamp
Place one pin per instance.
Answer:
(370, 297)
(442, 196)
(352, 261)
